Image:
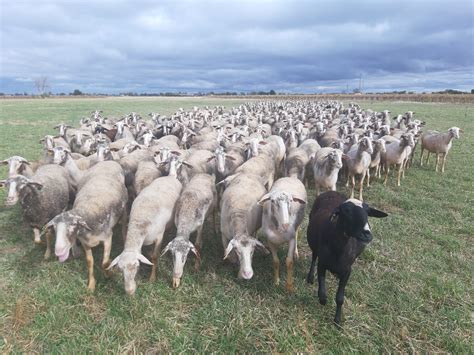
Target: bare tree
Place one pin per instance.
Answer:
(41, 84)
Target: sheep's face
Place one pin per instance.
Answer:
(103, 151)
(179, 248)
(220, 160)
(17, 187)
(16, 165)
(335, 159)
(244, 246)
(379, 146)
(366, 145)
(67, 227)
(352, 219)
(280, 207)
(454, 131)
(60, 155)
(408, 140)
(128, 262)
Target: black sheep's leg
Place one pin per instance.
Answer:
(322, 294)
(310, 277)
(340, 296)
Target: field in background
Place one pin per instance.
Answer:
(410, 291)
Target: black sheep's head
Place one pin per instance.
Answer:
(351, 217)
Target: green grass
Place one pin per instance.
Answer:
(411, 290)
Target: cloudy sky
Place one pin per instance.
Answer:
(112, 46)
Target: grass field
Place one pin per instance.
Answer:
(411, 291)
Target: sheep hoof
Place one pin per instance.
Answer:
(323, 301)
(276, 281)
(290, 288)
(47, 255)
(91, 286)
(310, 279)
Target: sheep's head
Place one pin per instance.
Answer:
(408, 140)
(179, 247)
(18, 186)
(128, 262)
(366, 144)
(280, 205)
(351, 218)
(335, 158)
(67, 226)
(60, 155)
(16, 165)
(244, 246)
(454, 131)
(379, 146)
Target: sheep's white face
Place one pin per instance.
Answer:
(366, 144)
(244, 246)
(59, 155)
(454, 132)
(102, 151)
(15, 165)
(220, 160)
(179, 248)
(380, 145)
(335, 158)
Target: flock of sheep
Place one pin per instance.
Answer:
(250, 164)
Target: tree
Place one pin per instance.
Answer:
(41, 84)
(77, 92)
(272, 92)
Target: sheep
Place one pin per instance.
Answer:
(261, 166)
(337, 234)
(396, 153)
(283, 212)
(241, 217)
(358, 163)
(226, 163)
(130, 162)
(42, 197)
(152, 214)
(327, 163)
(196, 203)
(18, 166)
(295, 163)
(438, 143)
(146, 173)
(100, 202)
(379, 148)
(199, 161)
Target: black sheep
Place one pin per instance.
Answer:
(337, 233)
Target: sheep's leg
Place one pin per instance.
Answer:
(400, 170)
(106, 258)
(353, 185)
(37, 236)
(289, 265)
(154, 257)
(387, 170)
(348, 178)
(310, 277)
(322, 294)
(444, 162)
(297, 254)
(276, 263)
(49, 238)
(437, 161)
(340, 297)
(214, 222)
(361, 185)
(421, 156)
(198, 245)
(368, 177)
(124, 223)
(90, 268)
(427, 158)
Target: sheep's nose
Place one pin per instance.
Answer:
(247, 275)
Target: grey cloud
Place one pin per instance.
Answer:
(296, 46)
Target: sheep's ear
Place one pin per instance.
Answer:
(211, 158)
(195, 252)
(262, 143)
(3, 162)
(229, 248)
(261, 247)
(166, 249)
(229, 157)
(2, 183)
(376, 213)
(114, 262)
(265, 198)
(144, 260)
